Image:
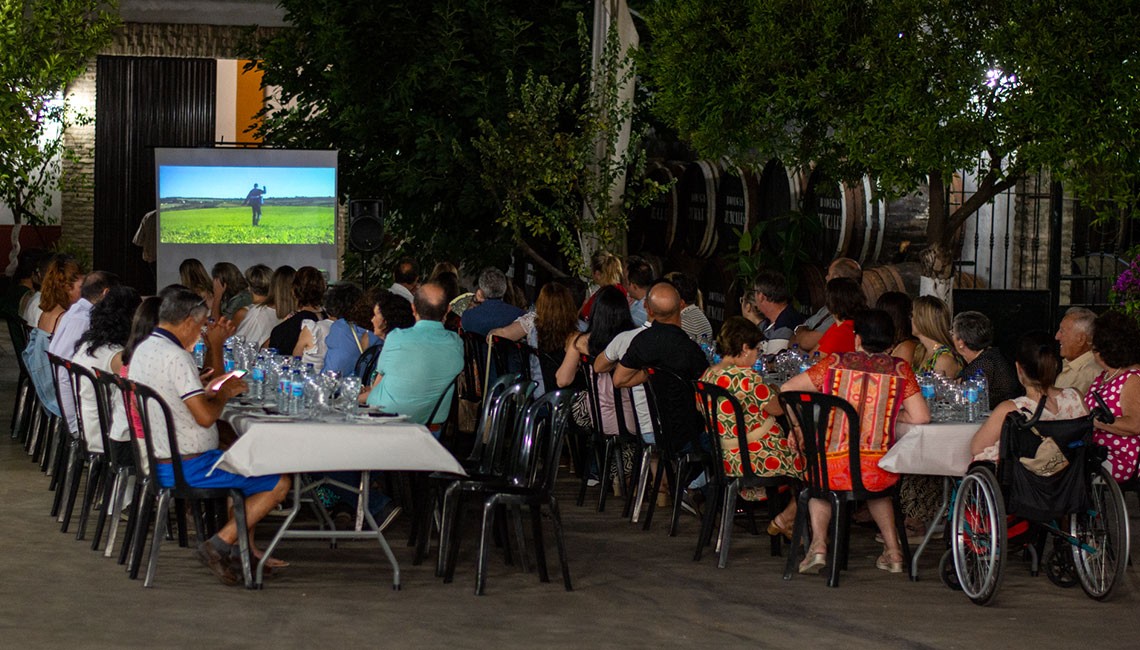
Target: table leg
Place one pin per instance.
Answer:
(942, 510)
(257, 583)
(384, 546)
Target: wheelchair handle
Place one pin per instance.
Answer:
(1101, 411)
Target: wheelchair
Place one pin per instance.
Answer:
(1090, 536)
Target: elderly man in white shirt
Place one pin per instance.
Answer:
(1079, 368)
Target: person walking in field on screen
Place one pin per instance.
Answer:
(254, 200)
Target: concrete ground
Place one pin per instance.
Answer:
(631, 589)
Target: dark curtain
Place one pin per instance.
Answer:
(142, 103)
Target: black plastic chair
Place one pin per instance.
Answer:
(724, 488)
(133, 537)
(504, 413)
(529, 482)
(113, 491)
(153, 409)
(365, 366)
(680, 453)
(610, 445)
(70, 449)
(96, 461)
(815, 414)
(17, 332)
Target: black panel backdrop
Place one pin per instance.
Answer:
(142, 103)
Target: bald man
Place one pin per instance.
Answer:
(665, 345)
(807, 335)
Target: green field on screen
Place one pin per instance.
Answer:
(280, 224)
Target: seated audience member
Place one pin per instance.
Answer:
(23, 284)
(845, 298)
(407, 278)
(608, 360)
(973, 337)
(546, 329)
(192, 274)
(418, 363)
(323, 338)
(1037, 364)
(886, 387)
(231, 292)
(693, 320)
(163, 363)
(1075, 335)
(812, 329)
(101, 348)
(665, 345)
(31, 311)
(899, 306)
(62, 283)
(769, 307)
(605, 271)
(256, 321)
(281, 292)
(490, 311)
(441, 268)
(308, 291)
(389, 312)
(609, 317)
(769, 452)
(1115, 346)
(639, 277)
(935, 351)
(72, 324)
(451, 290)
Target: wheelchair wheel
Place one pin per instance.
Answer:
(946, 571)
(978, 535)
(1102, 531)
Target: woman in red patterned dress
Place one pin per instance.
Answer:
(884, 391)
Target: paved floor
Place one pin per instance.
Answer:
(631, 589)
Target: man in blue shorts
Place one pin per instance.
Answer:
(164, 363)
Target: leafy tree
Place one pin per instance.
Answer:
(909, 91)
(400, 88)
(557, 162)
(43, 47)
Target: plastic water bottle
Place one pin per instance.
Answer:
(926, 385)
(983, 389)
(257, 379)
(758, 367)
(297, 393)
(972, 395)
(228, 358)
(310, 370)
(270, 377)
(200, 353)
(284, 390)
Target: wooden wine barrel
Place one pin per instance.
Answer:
(737, 204)
(826, 201)
(878, 280)
(720, 290)
(779, 195)
(652, 228)
(698, 207)
(867, 217)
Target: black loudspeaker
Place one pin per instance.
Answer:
(366, 225)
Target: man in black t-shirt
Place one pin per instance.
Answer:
(665, 345)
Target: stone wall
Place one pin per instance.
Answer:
(134, 39)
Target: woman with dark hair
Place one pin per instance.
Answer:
(973, 337)
(1038, 363)
(739, 344)
(231, 294)
(255, 322)
(610, 317)
(844, 298)
(192, 275)
(101, 348)
(308, 292)
(893, 396)
(545, 329)
(899, 306)
(1114, 346)
(389, 312)
(334, 343)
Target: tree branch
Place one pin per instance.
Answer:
(539, 259)
(987, 190)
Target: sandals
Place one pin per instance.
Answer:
(775, 528)
(814, 561)
(891, 563)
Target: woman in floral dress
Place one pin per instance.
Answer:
(768, 448)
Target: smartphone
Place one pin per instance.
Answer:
(217, 383)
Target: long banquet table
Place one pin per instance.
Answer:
(269, 444)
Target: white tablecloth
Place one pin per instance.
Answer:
(280, 446)
(938, 449)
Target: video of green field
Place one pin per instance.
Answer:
(232, 223)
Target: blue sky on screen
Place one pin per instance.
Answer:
(236, 182)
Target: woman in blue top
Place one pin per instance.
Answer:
(335, 343)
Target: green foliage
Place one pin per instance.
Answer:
(399, 88)
(233, 225)
(43, 47)
(779, 244)
(907, 90)
(555, 162)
